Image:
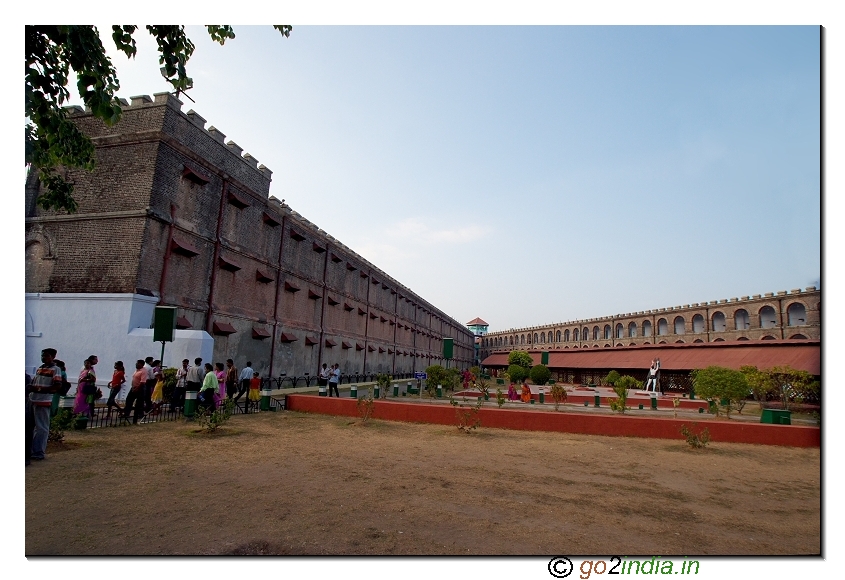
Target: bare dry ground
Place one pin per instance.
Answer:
(291, 483)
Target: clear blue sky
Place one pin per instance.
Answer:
(530, 175)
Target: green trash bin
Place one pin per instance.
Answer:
(190, 403)
(776, 417)
(264, 404)
(395, 390)
(353, 391)
(376, 392)
(654, 403)
(439, 391)
(542, 397)
(597, 400)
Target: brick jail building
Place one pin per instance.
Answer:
(175, 215)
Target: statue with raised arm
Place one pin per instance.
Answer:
(653, 381)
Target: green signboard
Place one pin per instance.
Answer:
(164, 324)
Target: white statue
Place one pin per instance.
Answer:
(653, 381)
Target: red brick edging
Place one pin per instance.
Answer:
(528, 420)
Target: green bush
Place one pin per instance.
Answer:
(169, 383)
(611, 378)
(716, 384)
(210, 421)
(620, 387)
(62, 421)
(540, 374)
(517, 373)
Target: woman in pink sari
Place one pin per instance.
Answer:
(512, 394)
(220, 372)
(86, 388)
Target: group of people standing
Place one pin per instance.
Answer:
(215, 383)
(329, 376)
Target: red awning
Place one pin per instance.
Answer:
(184, 247)
(287, 337)
(182, 323)
(260, 332)
(801, 355)
(223, 328)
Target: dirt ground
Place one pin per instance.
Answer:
(292, 483)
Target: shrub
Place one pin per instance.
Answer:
(435, 375)
(611, 378)
(210, 421)
(540, 374)
(169, 383)
(620, 387)
(62, 421)
(559, 394)
(365, 408)
(517, 373)
(383, 382)
(483, 387)
(467, 415)
(500, 397)
(717, 384)
(696, 440)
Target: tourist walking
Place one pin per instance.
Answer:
(231, 378)
(210, 388)
(86, 388)
(150, 383)
(177, 400)
(254, 387)
(116, 383)
(334, 378)
(195, 376)
(526, 392)
(323, 375)
(512, 394)
(220, 373)
(46, 382)
(135, 397)
(158, 391)
(245, 380)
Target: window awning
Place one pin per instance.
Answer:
(318, 248)
(263, 276)
(260, 332)
(183, 323)
(359, 346)
(229, 264)
(330, 343)
(223, 328)
(287, 337)
(194, 176)
(184, 247)
(345, 344)
(296, 235)
(237, 199)
(270, 219)
(311, 341)
(313, 295)
(290, 287)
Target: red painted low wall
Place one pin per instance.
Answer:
(590, 424)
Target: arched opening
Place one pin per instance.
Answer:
(558, 336)
(606, 346)
(647, 328)
(697, 340)
(718, 321)
(718, 340)
(619, 344)
(768, 317)
(679, 341)
(662, 327)
(585, 334)
(619, 330)
(566, 335)
(542, 338)
(632, 330)
(796, 315)
(697, 324)
(768, 337)
(798, 336)
(662, 342)
(680, 325)
(607, 332)
(742, 320)
(575, 334)
(742, 338)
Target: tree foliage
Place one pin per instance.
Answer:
(540, 374)
(52, 140)
(517, 373)
(719, 383)
(612, 377)
(521, 358)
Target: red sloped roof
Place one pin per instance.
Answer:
(798, 354)
(477, 321)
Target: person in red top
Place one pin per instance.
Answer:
(136, 392)
(117, 380)
(47, 380)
